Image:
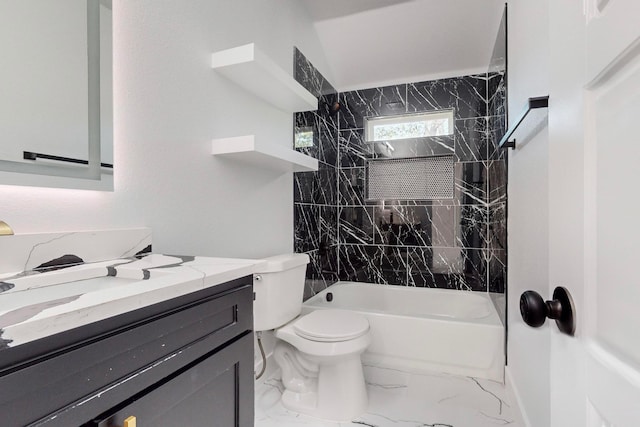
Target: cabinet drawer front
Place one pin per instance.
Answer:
(33, 392)
(215, 392)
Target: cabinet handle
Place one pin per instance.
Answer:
(130, 422)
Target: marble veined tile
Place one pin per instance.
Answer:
(497, 181)
(354, 151)
(308, 76)
(471, 139)
(356, 225)
(467, 95)
(322, 270)
(304, 184)
(326, 185)
(497, 94)
(328, 223)
(402, 399)
(497, 270)
(496, 130)
(414, 225)
(306, 230)
(449, 268)
(352, 186)
(376, 102)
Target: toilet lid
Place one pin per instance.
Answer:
(331, 326)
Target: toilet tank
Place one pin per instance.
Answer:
(279, 289)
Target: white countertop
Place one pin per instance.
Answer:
(41, 304)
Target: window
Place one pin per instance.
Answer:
(409, 126)
(303, 137)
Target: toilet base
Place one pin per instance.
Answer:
(341, 393)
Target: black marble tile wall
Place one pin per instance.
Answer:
(316, 193)
(442, 243)
(457, 243)
(497, 164)
(467, 96)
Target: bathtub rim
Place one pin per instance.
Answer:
(492, 319)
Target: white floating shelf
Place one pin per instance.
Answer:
(263, 155)
(252, 69)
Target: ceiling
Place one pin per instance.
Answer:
(371, 43)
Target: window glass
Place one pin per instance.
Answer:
(410, 126)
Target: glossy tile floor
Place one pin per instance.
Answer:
(401, 399)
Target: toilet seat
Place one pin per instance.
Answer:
(331, 326)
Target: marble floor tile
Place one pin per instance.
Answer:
(402, 399)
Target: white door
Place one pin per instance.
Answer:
(606, 389)
(612, 235)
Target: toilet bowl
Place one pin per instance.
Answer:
(318, 353)
(319, 357)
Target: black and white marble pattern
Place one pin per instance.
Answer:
(353, 151)
(470, 183)
(496, 130)
(41, 304)
(352, 191)
(322, 270)
(466, 95)
(497, 181)
(497, 91)
(497, 168)
(26, 252)
(472, 139)
(309, 77)
(356, 105)
(497, 226)
(449, 268)
(436, 243)
(373, 264)
(316, 193)
(306, 232)
(304, 184)
(497, 270)
(430, 225)
(356, 224)
(403, 399)
(472, 222)
(326, 185)
(328, 223)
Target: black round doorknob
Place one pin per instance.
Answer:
(535, 310)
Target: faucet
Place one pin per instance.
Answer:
(5, 230)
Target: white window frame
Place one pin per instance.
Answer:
(372, 122)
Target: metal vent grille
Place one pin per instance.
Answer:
(424, 178)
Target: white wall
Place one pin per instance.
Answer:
(528, 221)
(168, 105)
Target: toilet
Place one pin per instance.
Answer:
(318, 353)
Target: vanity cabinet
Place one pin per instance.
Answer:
(185, 362)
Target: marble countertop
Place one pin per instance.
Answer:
(36, 305)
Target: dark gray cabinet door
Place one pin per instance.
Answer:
(214, 392)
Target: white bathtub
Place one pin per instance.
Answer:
(423, 329)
